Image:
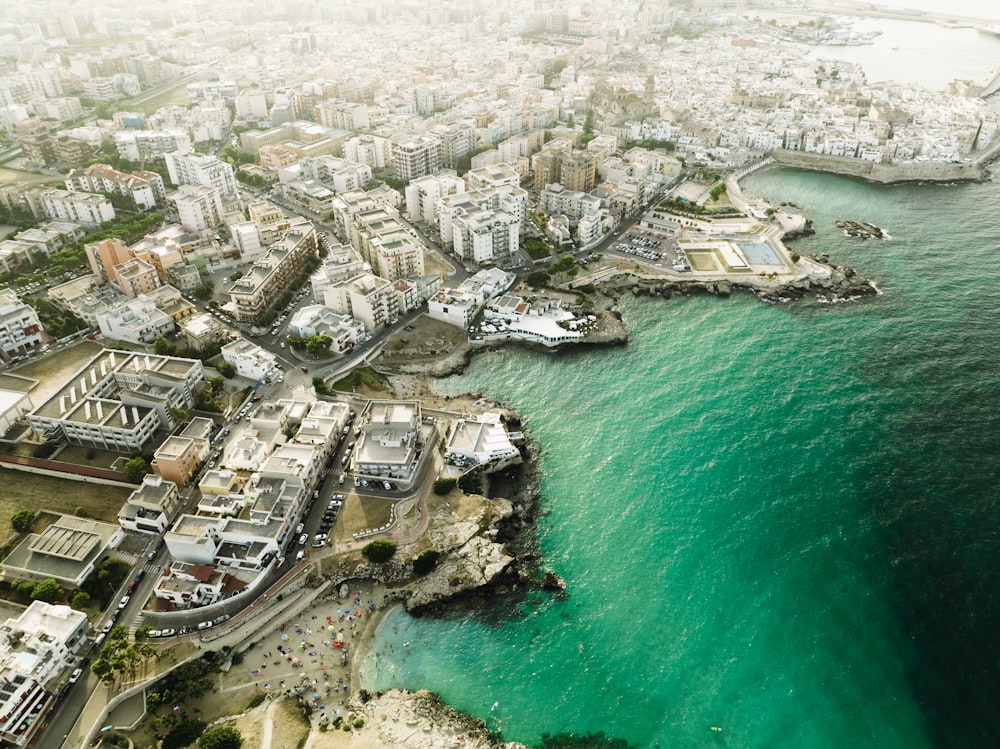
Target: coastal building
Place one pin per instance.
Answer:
(454, 306)
(367, 298)
(65, 551)
(543, 321)
(118, 401)
(479, 442)
(152, 507)
(389, 440)
(315, 319)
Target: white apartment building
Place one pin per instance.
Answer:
(202, 169)
(20, 329)
(342, 114)
(249, 359)
(271, 273)
(246, 237)
(417, 157)
(199, 207)
(389, 440)
(136, 320)
(144, 188)
(136, 145)
(387, 244)
(315, 319)
(455, 306)
(480, 441)
(338, 174)
(81, 207)
(423, 194)
(152, 507)
(485, 236)
(367, 298)
(556, 199)
(373, 151)
(495, 175)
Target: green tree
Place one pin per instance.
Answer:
(179, 415)
(47, 590)
(184, 734)
(221, 737)
(23, 520)
(135, 468)
(315, 343)
(217, 383)
(379, 551)
(226, 369)
(570, 121)
(443, 486)
(162, 346)
(426, 562)
(319, 385)
(80, 600)
(588, 123)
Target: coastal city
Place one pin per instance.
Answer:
(238, 243)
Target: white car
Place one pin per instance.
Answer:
(75, 676)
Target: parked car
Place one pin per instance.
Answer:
(124, 602)
(75, 676)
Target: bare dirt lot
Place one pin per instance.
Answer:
(430, 340)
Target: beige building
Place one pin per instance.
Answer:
(253, 293)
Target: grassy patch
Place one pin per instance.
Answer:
(362, 378)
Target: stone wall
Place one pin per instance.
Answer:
(883, 173)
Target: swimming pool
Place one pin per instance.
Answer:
(759, 253)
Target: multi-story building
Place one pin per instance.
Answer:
(556, 199)
(457, 139)
(250, 360)
(20, 329)
(496, 175)
(423, 194)
(485, 236)
(105, 255)
(156, 503)
(269, 276)
(391, 249)
(65, 551)
(201, 329)
(136, 320)
(315, 319)
(417, 157)
(246, 237)
(118, 401)
(455, 306)
(81, 207)
(389, 441)
(202, 169)
(136, 145)
(270, 219)
(135, 277)
(302, 137)
(479, 441)
(143, 187)
(336, 173)
(199, 207)
(366, 298)
(38, 650)
(374, 151)
(341, 114)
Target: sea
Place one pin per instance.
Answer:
(777, 520)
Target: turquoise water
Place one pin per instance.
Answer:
(777, 520)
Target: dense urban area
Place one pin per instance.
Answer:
(238, 238)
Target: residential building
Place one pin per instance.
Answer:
(118, 401)
(136, 320)
(204, 170)
(249, 359)
(254, 292)
(557, 199)
(270, 219)
(154, 505)
(365, 297)
(135, 277)
(80, 207)
(423, 194)
(139, 145)
(301, 137)
(106, 255)
(38, 649)
(202, 329)
(417, 157)
(389, 246)
(496, 175)
(341, 114)
(21, 331)
(373, 151)
(315, 319)
(199, 207)
(144, 188)
(389, 441)
(455, 306)
(14, 406)
(246, 236)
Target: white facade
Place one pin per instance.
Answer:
(136, 320)
(423, 194)
(316, 319)
(479, 442)
(367, 298)
(20, 329)
(199, 207)
(81, 207)
(201, 169)
(249, 359)
(454, 306)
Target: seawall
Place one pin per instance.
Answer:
(882, 173)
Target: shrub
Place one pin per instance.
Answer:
(426, 562)
(379, 551)
(443, 486)
(23, 520)
(257, 699)
(221, 737)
